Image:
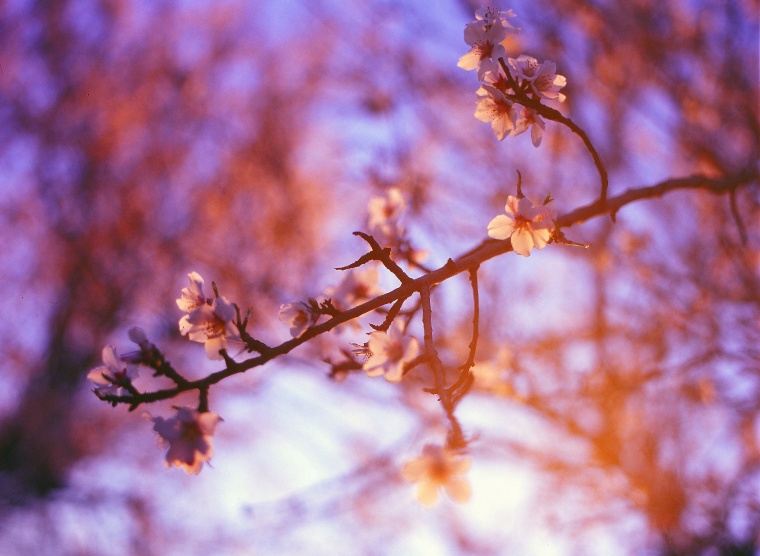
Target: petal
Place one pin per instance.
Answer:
(458, 488)
(427, 492)
(214, 345)
(501, 227)
(536, 133)
(413, 470)
(469, 61)
(207, 422)
(111, 359)
(522, 243)
(96, 376)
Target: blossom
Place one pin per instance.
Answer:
(527, 225)
(484, 39)
(384, 213)
(543, 77)
(437, 468)
(188, 435)
(212, 325)
(356, 287)
(389, 351)
(192, 297)
(490, 15)
(114, 375)
(496, 108)
(529, 118)
(298, 316)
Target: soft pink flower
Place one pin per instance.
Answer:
(389, 352)
(490, 15)
(527, 225)
(188, 435)
(298, 316)
(437, 468)
(356, 287)
(496, 108)
(212, 325)
(192, 297)
(529, 118)
(543, 77)
(484, 39)
(384, 214)
(113, 375)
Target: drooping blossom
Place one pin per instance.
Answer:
(496, 108)
(530, 119)
(543, 77)
(298, 316)
(114, 375)
(356, 287)
(188, 436)
(384, 213)
(389, 352)
(193, 297)
(212, 325)
(438, 468)
(527, 225)
(484, 40)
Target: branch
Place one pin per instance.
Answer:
(488, 249)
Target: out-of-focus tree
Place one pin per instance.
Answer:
(140, 141)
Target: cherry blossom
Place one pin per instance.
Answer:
(496, 108)
(389, 351)
(527, 225)
(529, 118)
(114, 375)
(490, 15)
(437, 468)
(484, 39)
(356, 287)
(188, 436)
(384, 213)
(542, 77)
(192, 297)
(298, 316)
(212, 325)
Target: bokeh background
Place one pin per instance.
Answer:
(618, 391)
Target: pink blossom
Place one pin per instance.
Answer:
(188, 436)
(389, 352)
(525, 224)
(437, 468)
(113, 375)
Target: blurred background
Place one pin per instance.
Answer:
(617, 400)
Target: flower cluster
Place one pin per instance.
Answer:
(505, 83)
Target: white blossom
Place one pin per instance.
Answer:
(527, 225)
(543, 77)
(212, 325)
(193, 297)
(298, 316)
(389, 352)
(496, 108)
(113, 375)
(484, 40)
